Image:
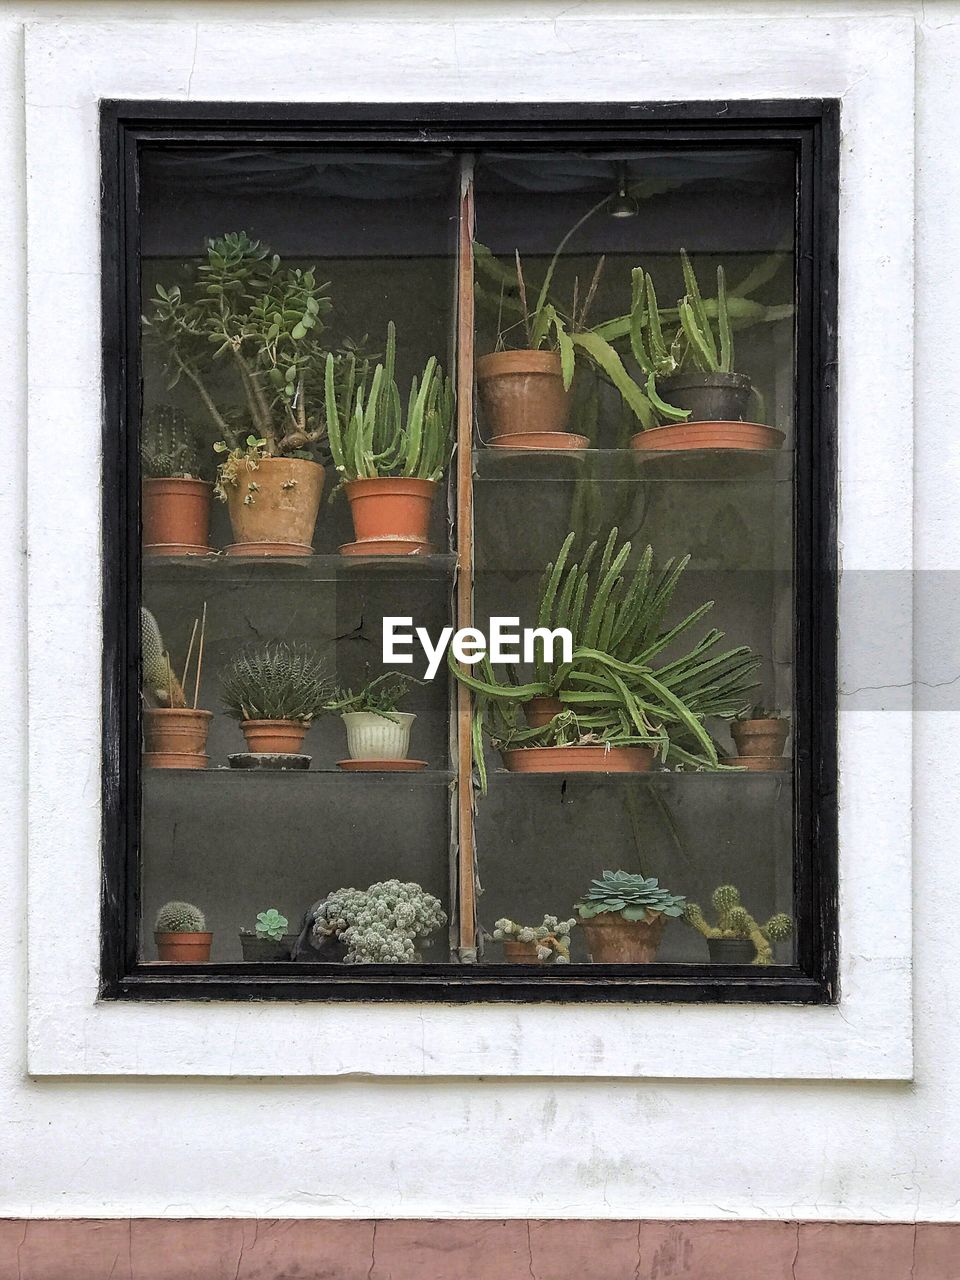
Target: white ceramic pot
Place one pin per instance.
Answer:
(374, 737)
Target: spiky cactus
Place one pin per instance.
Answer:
(552, 938)
(735, 921)
(276, 681)
(160, 685)
(180, 917)
(169, 447)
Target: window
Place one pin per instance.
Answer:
(621, 326)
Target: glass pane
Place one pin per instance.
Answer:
(629, 400)
(266, 271)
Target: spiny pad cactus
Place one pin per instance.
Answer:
(180, 917)
(735, 921)
(159, 682)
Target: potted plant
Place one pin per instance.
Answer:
(268, 940)
(623, 917)
(760, 736)
(378, 735)
(546, 943)
(175, 733)
(736, 938)
(175, 500)
(526, 392)
(390, 460)
(246, 315)
(180, 934)
(694, 370)
(386, 923)
(620, 703)
(276, 690)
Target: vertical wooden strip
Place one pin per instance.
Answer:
(466, 878)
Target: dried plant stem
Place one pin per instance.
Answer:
(186, 665)
(203, 631)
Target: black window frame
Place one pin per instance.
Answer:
(811, 127)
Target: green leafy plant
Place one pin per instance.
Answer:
(618, 689)
(271, 924)
(759, 711)
(634, 897)
(380, 924)
(552, 937)
(180, 917)
(735, 921)
(276, 681)
(168, 446)
(243, 310)
(371, 435)
(382, 695)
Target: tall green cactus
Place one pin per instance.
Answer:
(159, 682)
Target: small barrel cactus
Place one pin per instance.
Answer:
(180, 917)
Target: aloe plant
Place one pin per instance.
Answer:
(616, 689)
(276, 682)
(369, 433)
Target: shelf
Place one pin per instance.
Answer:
(215, 569)
(659, 778)
(156, 780)
(695, 466)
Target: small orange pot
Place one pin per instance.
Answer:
(176, 516)
(391, 507)
(746, 436)
(522, 392)
(274, 737)
(578, 759)
(760, 737)
(612, 940)
(515, 952)
(184, 948)
(282, 514)
(175, 737)
(540, 711)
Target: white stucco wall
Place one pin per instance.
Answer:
(654, 1148)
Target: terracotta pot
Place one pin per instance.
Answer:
(760, 737)
(540, 441)
(283, 514)
(175, 737)
(176, 516)
(184, 948)
(578, 759)
(274, 737)
(391, 507)
(540, 711)
(731, 950)
(522, 391)
(710, 397)
(515, 952)
(745, 436)
(612, 940)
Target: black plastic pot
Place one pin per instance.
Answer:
(731, 950)
(255, 948)
(710, 397)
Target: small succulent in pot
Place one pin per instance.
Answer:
(180, 932)
(760, 735)
(269, 939)
(623, 917)
(175, 733)
(381, 924)
(737, 938)
(276, 690)
(535, 944)
(376, 729)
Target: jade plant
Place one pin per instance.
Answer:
(552, 937)
(180, 917)
(617, 689)
(634, 897)
(276, 681)
(271, 924)
(735, 921)
(169, 447)
(380, 924)
(371, 433)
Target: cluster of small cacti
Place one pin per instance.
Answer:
(381, 924)
(735, 921)
(159, 683)
(168, 447)
(552, 938)
(180, 917)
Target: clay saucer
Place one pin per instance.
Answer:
(746, 436)
(760, 764)
(540, 440)
(392, 546)
(382, 766)
(267, 549)
(159, 549)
